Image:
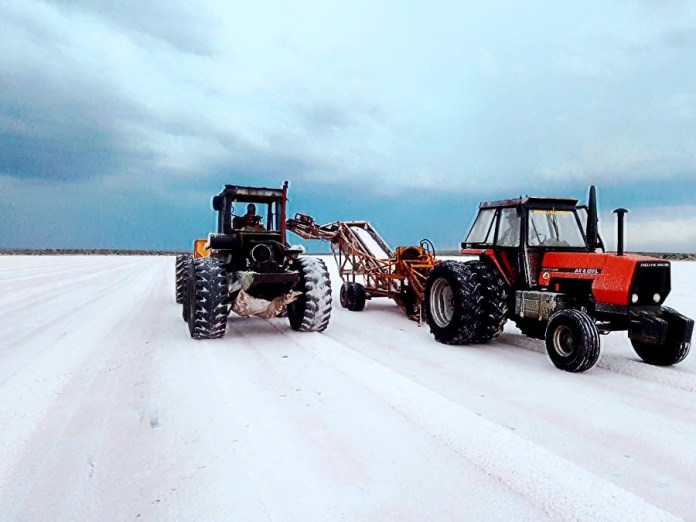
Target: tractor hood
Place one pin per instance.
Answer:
(628, 280)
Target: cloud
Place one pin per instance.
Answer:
(186, 26)
(654, 229)
(390, 97)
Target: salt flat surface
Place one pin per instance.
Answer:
(109, 411)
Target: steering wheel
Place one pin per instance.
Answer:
(428, 246)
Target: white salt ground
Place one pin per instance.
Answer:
(109, 411)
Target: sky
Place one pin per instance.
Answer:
(120, 120)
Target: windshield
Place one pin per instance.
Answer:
(255, 217)
(554, 228)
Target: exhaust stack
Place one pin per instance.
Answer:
(620, 212)
(592, 220)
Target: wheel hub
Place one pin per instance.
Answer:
(441, 303)
(563, 340)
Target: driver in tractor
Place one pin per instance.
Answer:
(249, 221)
(509, 234)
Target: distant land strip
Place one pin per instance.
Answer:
(118, 252)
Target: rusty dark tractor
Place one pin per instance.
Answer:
(542, 263)
(248, 267)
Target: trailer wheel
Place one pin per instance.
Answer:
(572, 340)
(408, 301)
(494, 308)
(312, 310)
(187, 267)
(208, 299)
(453, 302)
(342, 296)
(353, 296)
(181, 268)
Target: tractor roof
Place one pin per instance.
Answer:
(530, 202)
(256, 194)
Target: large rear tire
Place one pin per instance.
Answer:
(208, 299)
(311, 311)
(453, 302)
(494, 296)
(183, 262)
(572, 341)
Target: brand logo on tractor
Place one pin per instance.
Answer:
(584, 271)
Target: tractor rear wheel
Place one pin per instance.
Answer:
(494, 308)
(181, 268)
(572, 340)
(311, 311)
(353, 296)
(208, 299)
(453, 302)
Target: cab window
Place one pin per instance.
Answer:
(554, 228)
(509, 228)
(482, 231)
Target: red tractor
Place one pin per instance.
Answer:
(542, 263)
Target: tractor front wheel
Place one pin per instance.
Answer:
(661, 355)
(311, 311)
(531, 328)
(208, 299)
(181, 267)
(677, 339)
(572, 341)
(453, 302)
(186, 268)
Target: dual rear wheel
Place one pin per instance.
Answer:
(466, 303)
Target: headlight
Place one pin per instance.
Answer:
(634, 298)
(656, 298)
(261, 253)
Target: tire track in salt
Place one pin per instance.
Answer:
(29, 353)
(562, 489)
(42, 427)
(662, 375)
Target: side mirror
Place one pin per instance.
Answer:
(217, 203)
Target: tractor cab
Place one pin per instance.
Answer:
(516, 233)
(251, 209)
(251, 225)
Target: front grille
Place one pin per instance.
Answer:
(650, 278)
